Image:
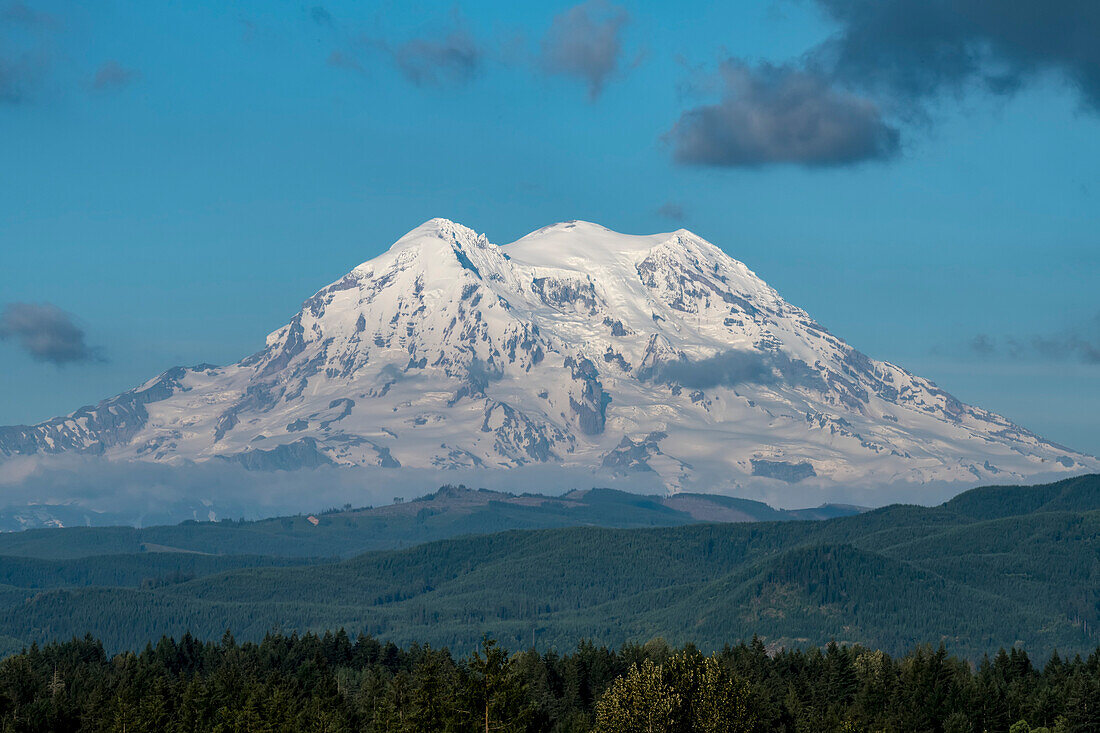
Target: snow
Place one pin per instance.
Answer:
(575, 347)
(579, 244)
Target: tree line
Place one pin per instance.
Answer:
(334, 682)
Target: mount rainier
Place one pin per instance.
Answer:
(657, 358)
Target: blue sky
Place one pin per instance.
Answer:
(180, 176)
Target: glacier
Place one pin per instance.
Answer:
(654, 359)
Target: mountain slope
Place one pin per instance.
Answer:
(655, 357)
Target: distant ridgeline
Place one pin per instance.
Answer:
(449, 512)
(994, 567)
(337, 683)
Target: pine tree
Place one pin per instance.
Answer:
(496, 694)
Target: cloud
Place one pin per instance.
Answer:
(23, 63)
(453, 58)
(136, 492)
(916, 49)
(733, 367)
(671, 210)
(584, 42)
(1072, 347)
(1081, 344)
(728, 368)
(21, 14)
(320, 16)
(111, 76)
(982, 344)
(893, 58)
(20, 76)
(46, 332)
(142, 494)
(782, 114)
(342, 60)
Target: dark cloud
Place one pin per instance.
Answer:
(453, 58)
(895, 57)
(916, 49)
(112, 75)
(733, 367)
(320, 16)
(45, 332)
(584, 42)
(726, 369)
(737, 367)
(671, 210)
(782, 114)
(1080, 344)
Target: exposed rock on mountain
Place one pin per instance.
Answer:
(574, 346)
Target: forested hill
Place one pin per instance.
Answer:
(449, 512)
(995, 567)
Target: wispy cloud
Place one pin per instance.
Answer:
(22, 14)
(140, 492)
(113, 76)
(449, 57)
(46, 333)
(321, 16)
(585, 42)
(734, 367)
(24, 64)
(454, 57)
(1081, 344)
(20, 76)
(345, 60)
(671, 210)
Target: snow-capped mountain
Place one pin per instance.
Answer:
(574, 346)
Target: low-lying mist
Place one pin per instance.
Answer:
(90, 490)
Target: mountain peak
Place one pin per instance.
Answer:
(580, 245)
(657, 357)
(439, 229)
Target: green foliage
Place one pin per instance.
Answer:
(971, 574)
(638, 701)
(337, 683)
(147, 570)
(685, 694)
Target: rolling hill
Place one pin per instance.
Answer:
(993, 567)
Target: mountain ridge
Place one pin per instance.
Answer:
(447, 512)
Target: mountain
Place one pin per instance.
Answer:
(658, 360)
(995, 567)
(449, 512)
